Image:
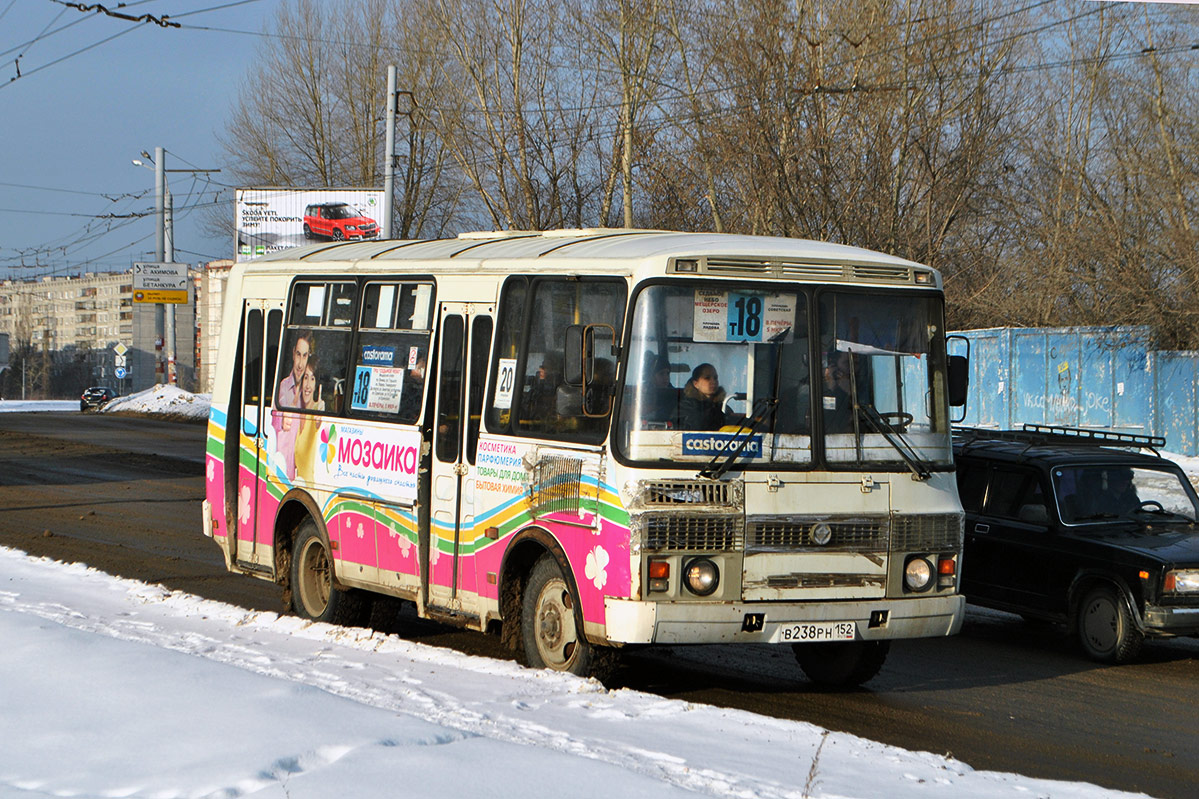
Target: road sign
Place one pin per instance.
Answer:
(121, 372)
(160, 282)
(120, 349)
(118, 360)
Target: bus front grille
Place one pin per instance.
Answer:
(926, 532)
(790, 534)
(711, 532)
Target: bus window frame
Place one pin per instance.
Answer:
(587, 435)
(350, 333)
(352, 362)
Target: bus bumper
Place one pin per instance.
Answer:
(635, 622)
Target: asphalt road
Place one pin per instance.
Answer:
(122, 494)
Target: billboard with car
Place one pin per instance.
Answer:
(269, 220)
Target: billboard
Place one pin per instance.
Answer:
(269, 220)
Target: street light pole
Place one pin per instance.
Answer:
(164, 247)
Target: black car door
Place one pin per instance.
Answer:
(1007, 542)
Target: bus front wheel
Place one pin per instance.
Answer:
(313, 594)
(841, 664)
(551, 626)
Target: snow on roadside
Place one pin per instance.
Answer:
(112, 687)
(162, 400)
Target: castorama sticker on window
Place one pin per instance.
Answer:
(711, 444)
(379, 460)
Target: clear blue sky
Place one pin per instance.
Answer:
(69, 130)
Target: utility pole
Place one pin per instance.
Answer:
(164, 248)
(389, 149)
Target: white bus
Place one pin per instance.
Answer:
(588, 440)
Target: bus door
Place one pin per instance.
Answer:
(262, 322)
(463, 347)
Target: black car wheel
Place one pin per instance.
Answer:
(1105, 627)
(338, 235)
(307, 231)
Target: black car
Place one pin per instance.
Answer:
(1080, 527)
(95, 396)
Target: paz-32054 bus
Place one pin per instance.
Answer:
(595, 439)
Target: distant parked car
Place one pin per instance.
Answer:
(338, 221)
(1082, 528)
(95, 396)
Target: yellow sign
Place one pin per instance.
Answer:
(158, 295)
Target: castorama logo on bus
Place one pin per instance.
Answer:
(382, 458)
(721, 444)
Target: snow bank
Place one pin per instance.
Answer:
(162, 400)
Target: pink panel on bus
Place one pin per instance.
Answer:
(355, 533)
(214, 491)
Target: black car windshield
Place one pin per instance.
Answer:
(1117, 492)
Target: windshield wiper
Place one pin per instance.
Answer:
(764, 408)
(767, 407)
(905, 449)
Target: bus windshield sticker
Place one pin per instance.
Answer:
(377, 389)
(711, 312)
(505, 381)
(378, 356)
(734, 317)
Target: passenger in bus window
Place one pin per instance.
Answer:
(541, 393)
(288, 396)
(701, 407)
(306, 436)
(660, 402)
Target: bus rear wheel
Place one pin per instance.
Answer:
(313, 594)
(551, 626)
(841, 664)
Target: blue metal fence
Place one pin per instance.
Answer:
(1101, 377)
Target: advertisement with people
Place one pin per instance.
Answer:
(269, 220)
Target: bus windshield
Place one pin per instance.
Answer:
(714, 370)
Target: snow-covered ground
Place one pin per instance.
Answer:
(114, 688)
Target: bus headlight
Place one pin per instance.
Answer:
(702, 577)
(917, 574)
(1182, 581)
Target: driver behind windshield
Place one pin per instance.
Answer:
(702, 403)
(1120, 496)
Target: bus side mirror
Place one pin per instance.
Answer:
(959, 380)
(599, 369)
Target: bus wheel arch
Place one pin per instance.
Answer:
(311, 587)
(520, 556)
(295, 507)
(544, 618)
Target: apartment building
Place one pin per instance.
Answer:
(65, 331)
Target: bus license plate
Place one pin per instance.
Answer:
(811, 632)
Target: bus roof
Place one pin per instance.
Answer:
(716, 253)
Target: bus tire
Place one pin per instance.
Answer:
(1105, 627)
(313, 594)
(841, 664)
(551, 626)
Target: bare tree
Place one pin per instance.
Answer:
(312, 112)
